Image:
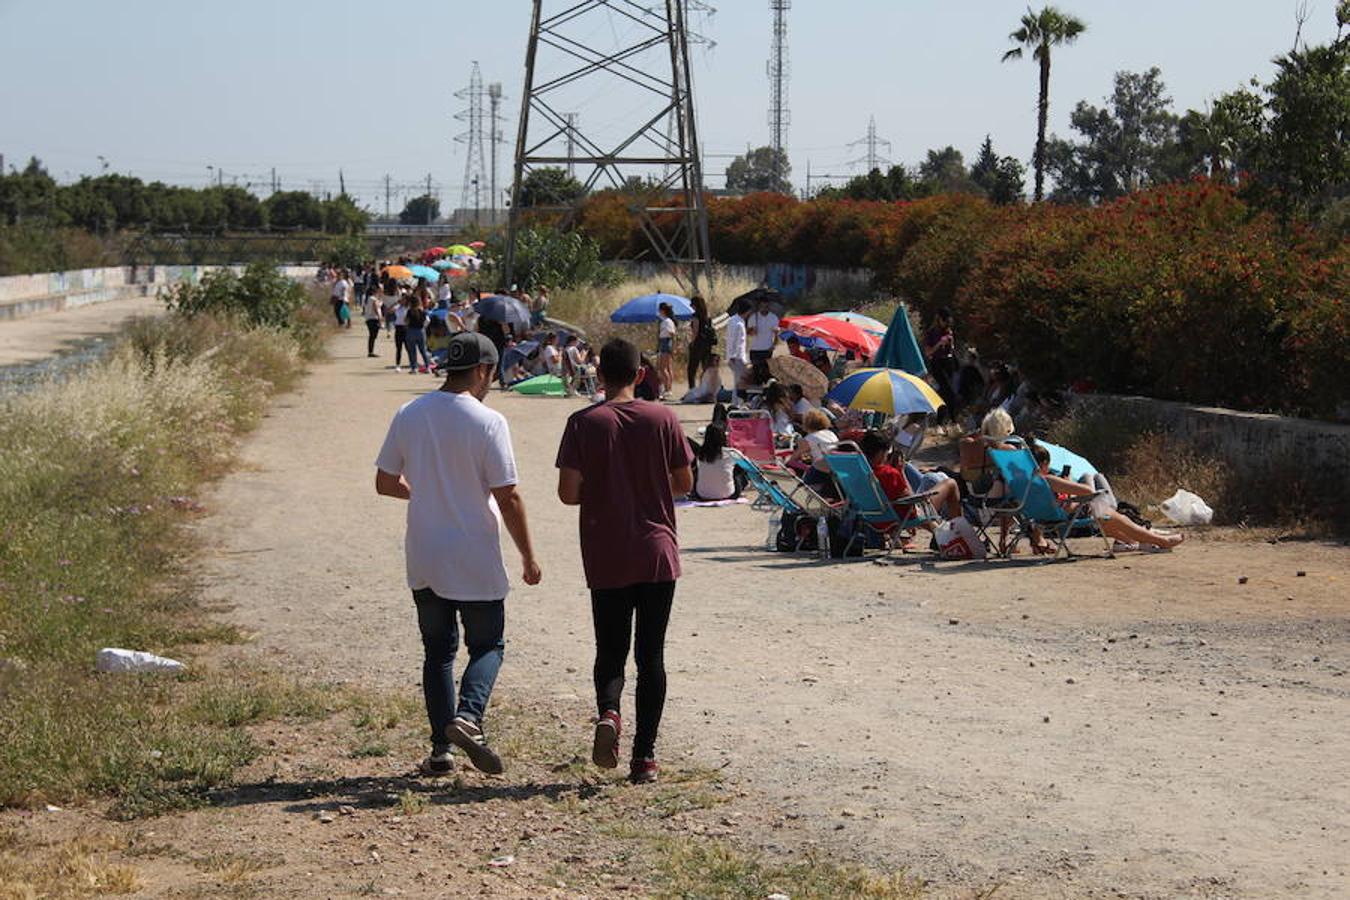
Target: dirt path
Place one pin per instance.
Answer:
(37, 337)
(1143, 726)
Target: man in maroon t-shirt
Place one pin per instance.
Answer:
(623, 462)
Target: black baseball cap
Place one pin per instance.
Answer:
(468, 349)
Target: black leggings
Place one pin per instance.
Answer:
(698, 355)
(613, 612)
(373, 327)
(400, 332)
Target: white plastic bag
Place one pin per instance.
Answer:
(1186, 508)
(957, 539)
(115, 659)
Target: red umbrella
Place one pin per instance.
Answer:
(433, 253)
(839, 334)
(477, 245)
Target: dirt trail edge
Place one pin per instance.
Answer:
(1143, 726)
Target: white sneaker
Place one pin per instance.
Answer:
(438, 763)
(468, 737)
(398, 368)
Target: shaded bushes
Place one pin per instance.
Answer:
(1181, 292)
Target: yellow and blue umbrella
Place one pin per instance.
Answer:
(888, 391)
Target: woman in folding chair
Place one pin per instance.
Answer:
(1113, 525)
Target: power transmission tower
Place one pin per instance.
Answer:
(474, 167)
(872, 158)
(494, 138)
(651, 63)
(572, 142)
(778, 68)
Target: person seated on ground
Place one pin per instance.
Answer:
(715, 474)
(648, 386)
(800, 405)
(549, 355)
(709, 383)
(796, 349)
(780, 408)
(438, 340)
(810, 452)
(876, 446)
(1114, 525)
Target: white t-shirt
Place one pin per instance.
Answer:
(443, 292)
(370, 307)
(821, 442)
(766, 331)
(453, 451)
(552, 359)
(736, 350)
(401, 315)
(716, 480)
(667, 328)
(340, 288)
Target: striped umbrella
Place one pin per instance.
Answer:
(888, 391)
(836, 333)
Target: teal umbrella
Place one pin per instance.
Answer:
(899, 349)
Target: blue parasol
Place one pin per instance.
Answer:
(644, 309)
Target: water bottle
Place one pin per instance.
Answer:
(775, 522)
(823, 537)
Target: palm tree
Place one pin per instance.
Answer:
(1039, 32)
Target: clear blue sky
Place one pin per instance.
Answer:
(163, 89)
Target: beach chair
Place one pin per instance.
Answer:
(1031, 503)
(750, 431)
(780, 489)
(868, 507)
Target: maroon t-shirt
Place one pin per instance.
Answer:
(625, 453)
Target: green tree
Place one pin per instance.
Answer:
(944, 172)
(760, 169)
(1306, 156)
(29, 194)
(896, 184)
(1129, 144)
(1039, 32)
(341, 215)
(1226, 140)
(549, 186)
(294, 209)
(421, 210)
(1003, 179)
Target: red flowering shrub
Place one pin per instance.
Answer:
(1181, 292)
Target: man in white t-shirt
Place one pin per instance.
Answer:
(738, 356)
(340, 294)
(450, 457)
(763, 330)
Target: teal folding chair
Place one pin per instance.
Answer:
(1031, 503)
(867, 504)
(779, 488)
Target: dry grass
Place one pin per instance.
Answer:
(1147, 465)
(73, 867)
(589, 308)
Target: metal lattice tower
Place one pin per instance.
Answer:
(475, 169)
(778, 69)
(650, 62)
(872, 158)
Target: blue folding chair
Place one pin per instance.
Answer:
(1031, 503)
(781, 489)
(868, 505)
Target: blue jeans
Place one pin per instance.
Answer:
(416, 340)
(484, 622)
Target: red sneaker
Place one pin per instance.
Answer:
(643, 771)
(605, 748)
